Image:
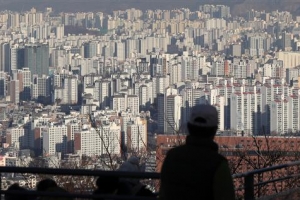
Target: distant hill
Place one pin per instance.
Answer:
(237, 6)
(268, 5)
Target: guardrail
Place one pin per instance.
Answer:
(76, 172)
(248, 186)
(249, 178)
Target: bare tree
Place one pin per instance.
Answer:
(258, 152)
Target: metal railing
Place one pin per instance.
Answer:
(249, 178)
(76, 172)
(248, 187)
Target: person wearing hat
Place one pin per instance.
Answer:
(196, 170)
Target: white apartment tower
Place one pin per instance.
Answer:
(102, 92)
(68, 94)
(88, 142)
(133, 103)
(123, 102)
(16, 137)
(145, 96)
(160, 83)
(161, 107)
(14, 91)
(137, 135)
(72, 128)
(54, 139)
(294, 112)
(24, 77)
(190, 68)
(175, 73)
(243, 110)
(172, 122)
(220, 100)
(104, 140)
(279, 116)
(190, 97)
(225, 88)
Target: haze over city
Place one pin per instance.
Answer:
(237, 6)
(97, 82)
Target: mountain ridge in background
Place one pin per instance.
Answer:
(237, 6)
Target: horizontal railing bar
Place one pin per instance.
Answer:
(80, 172)
(277, 179)
(123, 174)
(14, 193)
(239, 188)
(272, 168)
(269, 181)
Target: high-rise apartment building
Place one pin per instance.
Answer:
(123, 102)
(137, 135)
(145, 96)
(279, 116)
(54, 139)
(17, 53)
(14, 91)
(244, 108)
(37, 59)
(102, 92)
(294, 111)
(72, 127)
(5, 57)
(160, 83)
(172, 120)
(191, 96)
(90, 49)
(68, 93)
(190, 68)
(257, 45)
(16, 137)
(102, 141)
(41, 88)
(3, 84)
(24, 77)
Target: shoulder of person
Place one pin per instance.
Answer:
(175, 149)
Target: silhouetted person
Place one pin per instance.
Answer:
(132, 165)
(136, 187)
(109, 185)
(196, 170)
(16, 187)
(44, 184)
(56, 189)
(142, 191)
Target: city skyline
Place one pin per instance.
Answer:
(91, 90)
(136, 76)
(237, 6)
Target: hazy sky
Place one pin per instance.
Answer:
(102, 5)
(237, 6)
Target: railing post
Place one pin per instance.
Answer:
(1, 186)
(249, 187)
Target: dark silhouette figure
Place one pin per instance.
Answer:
(56, 189)
(16, 187)
(45, 184)
(142, 191)
(133, 165)
(196, 170)
(107, 185)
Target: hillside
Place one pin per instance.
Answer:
(268, 5)
(237, 6)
